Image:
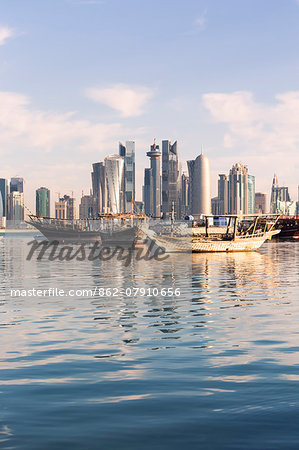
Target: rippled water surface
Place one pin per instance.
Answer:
(216, 367)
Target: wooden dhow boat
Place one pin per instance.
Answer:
(242, 234)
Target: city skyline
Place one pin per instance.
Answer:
(233, 87)
(97, 199)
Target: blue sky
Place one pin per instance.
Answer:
(77, 76)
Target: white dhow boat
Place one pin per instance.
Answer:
(243, 234)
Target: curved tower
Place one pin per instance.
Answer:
(114, 165)
(200, 183)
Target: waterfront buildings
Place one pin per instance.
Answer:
(15, 211)
(170, 178)
(65, 208)
(3, 197)
(148, 192)
(200, 185)
(16, 207)
(99, 188)
(127, 152)
(42, 203)
(86, 207)
(16, 185)
(152, 183)
(280, 202)
(236, 192)
(114, 167)
(261, 203)
(184, 196)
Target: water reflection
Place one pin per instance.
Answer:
(232, 329)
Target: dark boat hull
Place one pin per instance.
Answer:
(289, 227)
(67, 234)
(122, 237)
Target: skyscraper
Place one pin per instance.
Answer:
(184, 196)
(236, 193)
(280, 202)
(17, 184)
(148, 192)
(200, 185)
(86, 207)
(43, 202)
(16, 206)
(128, 153)
(65, 208)
(251, 194)
(170, 178)
(260, 203)
(114, 165)
(16, 200)
(155, 158)
(99, 188)
(3, 197)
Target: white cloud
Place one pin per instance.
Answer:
(24, 126)
(201, 21)
(265, 136)
(270, 127)
(5, 33)
(128, 100)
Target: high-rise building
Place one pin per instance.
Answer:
(65, 208)
(184, 196)
(16, 200)
(155, 159)
(238, 189)
(3, 197)
(261, 203)
(280, 199)
(16, 206)
(99, 188)
(170, 178)
(236, 192)
(86, 207)
(42, 202)
(148, 192)
(114, 166)
(220, 203)
(251, 194)
(16, 184)
(200, 185)
(128, 153)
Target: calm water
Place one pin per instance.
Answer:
(214, 368)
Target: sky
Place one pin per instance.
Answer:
(78, 76)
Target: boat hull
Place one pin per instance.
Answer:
(62, 234)
(122, 237)
(206, 245)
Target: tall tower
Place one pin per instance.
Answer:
(114, 165)
(155, 157)
(16, 200)
(170, 177)
(128, 153)
(3, 197)
(200, 185)
(43, 202)
(99, 188)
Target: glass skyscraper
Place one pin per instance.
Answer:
(127, 152)
(43, 202)
(3, 197)
(114, 165)
(170, 177)
(99, 188)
